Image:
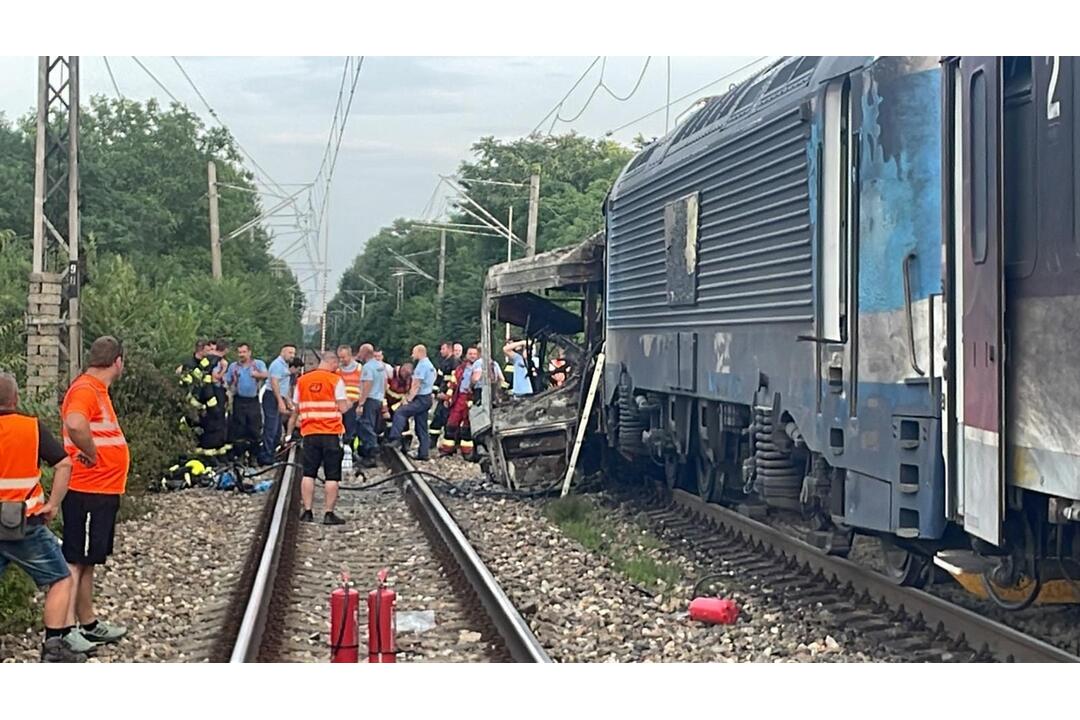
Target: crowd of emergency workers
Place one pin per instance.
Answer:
(241, 410)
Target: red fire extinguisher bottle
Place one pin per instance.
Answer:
(344, 623)
(715, 610)
(382, 626)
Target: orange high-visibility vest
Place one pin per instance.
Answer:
(317, 407)
(352, 383)
(89, 397)
(20, 475)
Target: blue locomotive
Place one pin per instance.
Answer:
(849, 289)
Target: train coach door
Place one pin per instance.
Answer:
(978, 299)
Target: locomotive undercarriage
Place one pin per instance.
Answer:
(757, 461)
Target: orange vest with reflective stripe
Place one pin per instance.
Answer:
(352, 383)
(317, 407)
(20, 475)
(108, 476)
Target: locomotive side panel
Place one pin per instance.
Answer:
(751, 261)
(893, 435)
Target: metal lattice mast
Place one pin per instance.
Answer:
(55, 274)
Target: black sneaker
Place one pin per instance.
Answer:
(367, 461)
(331, 519)
(306, 516)
(55, 650)
(417, 457)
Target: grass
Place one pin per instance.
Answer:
(580, 519)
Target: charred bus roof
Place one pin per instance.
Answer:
(564, 268)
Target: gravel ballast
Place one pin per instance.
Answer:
(170, 578)
(585, 610)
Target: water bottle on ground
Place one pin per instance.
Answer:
(346, 461)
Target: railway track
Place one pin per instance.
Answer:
(283, 615)
(927, 627)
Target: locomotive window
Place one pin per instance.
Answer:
(980, 205)
(807, 64)
(750, 95)
(783, 75)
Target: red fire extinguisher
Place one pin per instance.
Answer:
(714, 610)
(382, 625)
(344, 623)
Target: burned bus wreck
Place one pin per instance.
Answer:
(552, 303)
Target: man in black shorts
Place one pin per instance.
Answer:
(100, 461)
(320, 400)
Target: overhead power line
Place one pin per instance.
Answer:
(558, 105)
(155, 79)
(634, 89)
(601, 84)
(688, 95)
(112, 77)
(327, 167)
(221, 122)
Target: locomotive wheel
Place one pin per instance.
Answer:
(706, 476)
(903, 567)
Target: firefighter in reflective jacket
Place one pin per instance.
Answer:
(396, 390)
(204, 410)
(457, 433)
(444, 384)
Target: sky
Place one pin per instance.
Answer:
(412, 117)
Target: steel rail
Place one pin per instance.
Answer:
(249, 637)
(516, 634)
(979, 632)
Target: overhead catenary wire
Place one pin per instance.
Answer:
(155, 79)
(221, 122)
(600, 85)
(688, 95)
(569, 92)
(641, 76)
(112, 77)
(327, 167)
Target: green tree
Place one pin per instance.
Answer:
(576, 174)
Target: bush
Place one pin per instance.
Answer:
(17, 612)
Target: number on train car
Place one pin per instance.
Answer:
(1053, 107)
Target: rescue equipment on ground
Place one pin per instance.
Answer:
(192, 473)
(382, 645)
(201, 472)
(345, 622)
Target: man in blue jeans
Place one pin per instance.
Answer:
(416, 404)
(25, 445)
(277, 399)
(372, 394)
